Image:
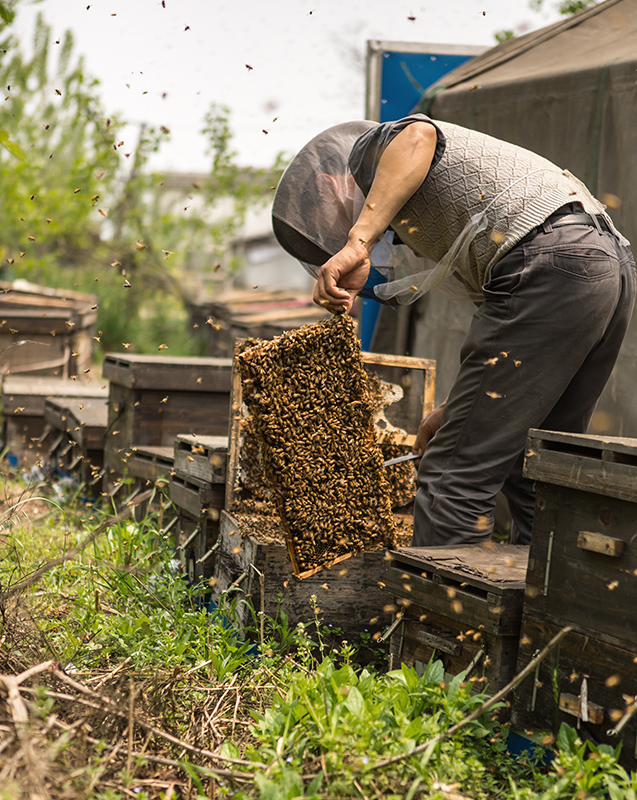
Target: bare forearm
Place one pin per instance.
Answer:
(402, 168)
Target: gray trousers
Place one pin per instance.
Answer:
(538, 354)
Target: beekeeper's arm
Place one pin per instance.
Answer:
(402, 168)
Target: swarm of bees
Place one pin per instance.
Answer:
(312, 412)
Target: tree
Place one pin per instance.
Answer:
(81, 210)
(565, 7)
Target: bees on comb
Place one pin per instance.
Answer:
(311, 412)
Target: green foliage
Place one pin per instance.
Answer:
(81, 208)
(334, 723)
(321, 728)
(504, 35)
(565, 7)
(126, 598)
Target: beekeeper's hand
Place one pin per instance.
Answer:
(342, 277)
(401, 169)
(427, 429)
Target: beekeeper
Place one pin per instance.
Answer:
(401, 208)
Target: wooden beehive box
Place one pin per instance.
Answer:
(461, 603)
(255, 313)
(197, 490)
(252, 563)
(23, 403)
(201, 457)
(154, 398)
(45, 331)
(582, 573)
(76, 438)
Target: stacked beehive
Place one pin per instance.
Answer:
(582, 573)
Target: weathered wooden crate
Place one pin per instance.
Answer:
(155, 398)
(461, 603)
(199, 503)
(251, 313)
(585, 682)
(252, 563)
(45, 331)
(582, 573)
(23, 403)
(583, 556)
(143, 463)
(202, 457)
(76, 439)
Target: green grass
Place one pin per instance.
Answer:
(151, 696)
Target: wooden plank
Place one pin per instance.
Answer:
(234, 431)
(54, 322)
(166, 374)
(494, 567)
(31, 393)
(589, 712)
(151, 417)
(87, 422)
(149, 463)
(590, 591)
(202, 457)
(598, 543)
(195, 497)
(586, 667)
(349, 595)
(423, 634)
(604, 465)
(494, 613)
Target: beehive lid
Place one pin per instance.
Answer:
(168, 373)
(604, 465)
(474, 564)
(30, 394)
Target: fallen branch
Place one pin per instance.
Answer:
(168, 762)
(530, 667)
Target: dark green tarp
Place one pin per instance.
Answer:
(568, 92)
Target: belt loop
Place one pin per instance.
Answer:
(546, 225)
(597, 225)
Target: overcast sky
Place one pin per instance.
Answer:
(299, 61)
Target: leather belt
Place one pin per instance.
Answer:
(577, 218)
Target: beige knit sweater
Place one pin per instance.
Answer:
(516, 188)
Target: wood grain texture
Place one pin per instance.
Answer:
(423, 634)
(202, 457)
(604, 465)
(349, 594)
(165, 373)
(30, 394)
(586, 667)
(594, 592)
